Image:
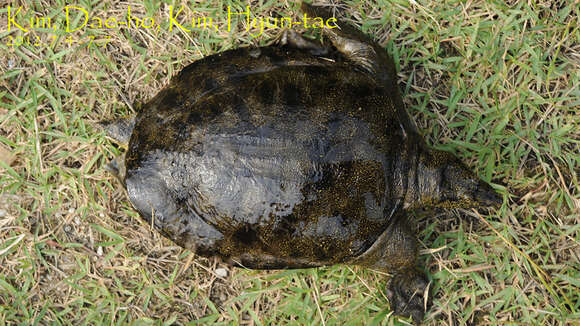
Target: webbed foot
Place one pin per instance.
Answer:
(365, 53)
(293, 39)
(408, 292)
(117, 168)
(356, 46)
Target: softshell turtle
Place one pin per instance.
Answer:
(294, 155)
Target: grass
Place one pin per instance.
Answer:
(495, 82)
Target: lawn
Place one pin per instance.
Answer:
(495, 82)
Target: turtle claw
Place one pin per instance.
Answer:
(117, 168)
(407, 291)
(295, 40)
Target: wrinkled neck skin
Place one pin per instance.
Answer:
(424, 178)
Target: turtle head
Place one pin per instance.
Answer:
(444, 181)
(460, 187)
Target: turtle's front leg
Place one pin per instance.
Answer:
(408, 288)
(295, 40)
(408, 293)
(395, 251)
